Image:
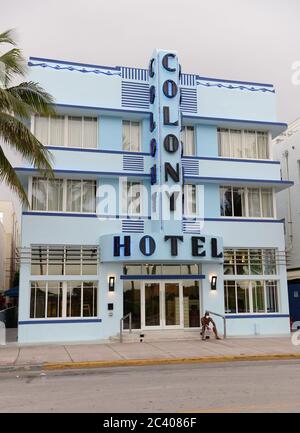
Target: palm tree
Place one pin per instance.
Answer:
(17, 103)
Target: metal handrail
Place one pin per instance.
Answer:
(129, 315)
(224, 320)
(9, 308)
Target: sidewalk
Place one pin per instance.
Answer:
(159, 352)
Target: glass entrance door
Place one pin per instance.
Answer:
(152, 305)
(172, 305)
(162, 305)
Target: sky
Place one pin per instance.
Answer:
(250, 40)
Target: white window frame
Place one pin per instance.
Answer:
(64, 196)
(65, 248)
(64, 315)
(125, 204)
(249, 250)
(186, 210)
(140, 135)
(243, 142)
(184, 139)
(246, 190)
(251, 280)
(66, 131)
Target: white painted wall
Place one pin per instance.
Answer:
(287, 150)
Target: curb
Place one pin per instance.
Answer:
(144, 362)
(166, 361)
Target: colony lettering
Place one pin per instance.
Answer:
(147, 246)
(170, 120)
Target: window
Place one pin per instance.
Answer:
(81, 196)
(190, 200)
(232, 201)
(54, 299)
(254, 295)
(64, 260)
(234, 143)
(246, 202)
(251, 296)
(131, 136)
(246, 261)
(70, 131)
(48, 195)
(132, 198)
(188, 140)
(236, 296)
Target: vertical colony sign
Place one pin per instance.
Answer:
(166, 148)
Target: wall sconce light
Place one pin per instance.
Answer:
(111, 284)
(213, 282)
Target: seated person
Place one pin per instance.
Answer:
(205, 322)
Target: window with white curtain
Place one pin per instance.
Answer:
(81, 195)
(47, 195)
(132, 198)
(190, 200)
(70, 131)
(68, 195)
(240, 143)
(188, 140)
(246, 202)
(131, 136)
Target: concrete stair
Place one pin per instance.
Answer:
(157, 335)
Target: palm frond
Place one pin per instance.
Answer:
(34, 96)
(7, 37)
(11, 104)
(18, 136)
(12, 63)
(8, 175)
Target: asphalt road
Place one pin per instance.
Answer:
(272, 386)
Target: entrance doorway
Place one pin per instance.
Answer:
(169, 305)
(161, 304)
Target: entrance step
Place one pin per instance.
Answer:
(159, 335)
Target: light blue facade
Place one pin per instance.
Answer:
(114, 94)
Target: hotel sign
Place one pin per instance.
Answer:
(165, 144)
(160, 247)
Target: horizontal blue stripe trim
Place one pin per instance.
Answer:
(96, 173)
(220, 158)
(256, 316)
(245, 220)
(64, 62)
(163, 277)
(70, 214)
(47, 322)
(234, 81)
(86, 107)
(63, 214)
(224, 119)
(238, 179)
(119, 152)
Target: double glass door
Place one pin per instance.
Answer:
(162, 305)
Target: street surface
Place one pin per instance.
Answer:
(262, 386)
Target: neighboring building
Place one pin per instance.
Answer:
(9, 242)
(138, 221)
(287, 150)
